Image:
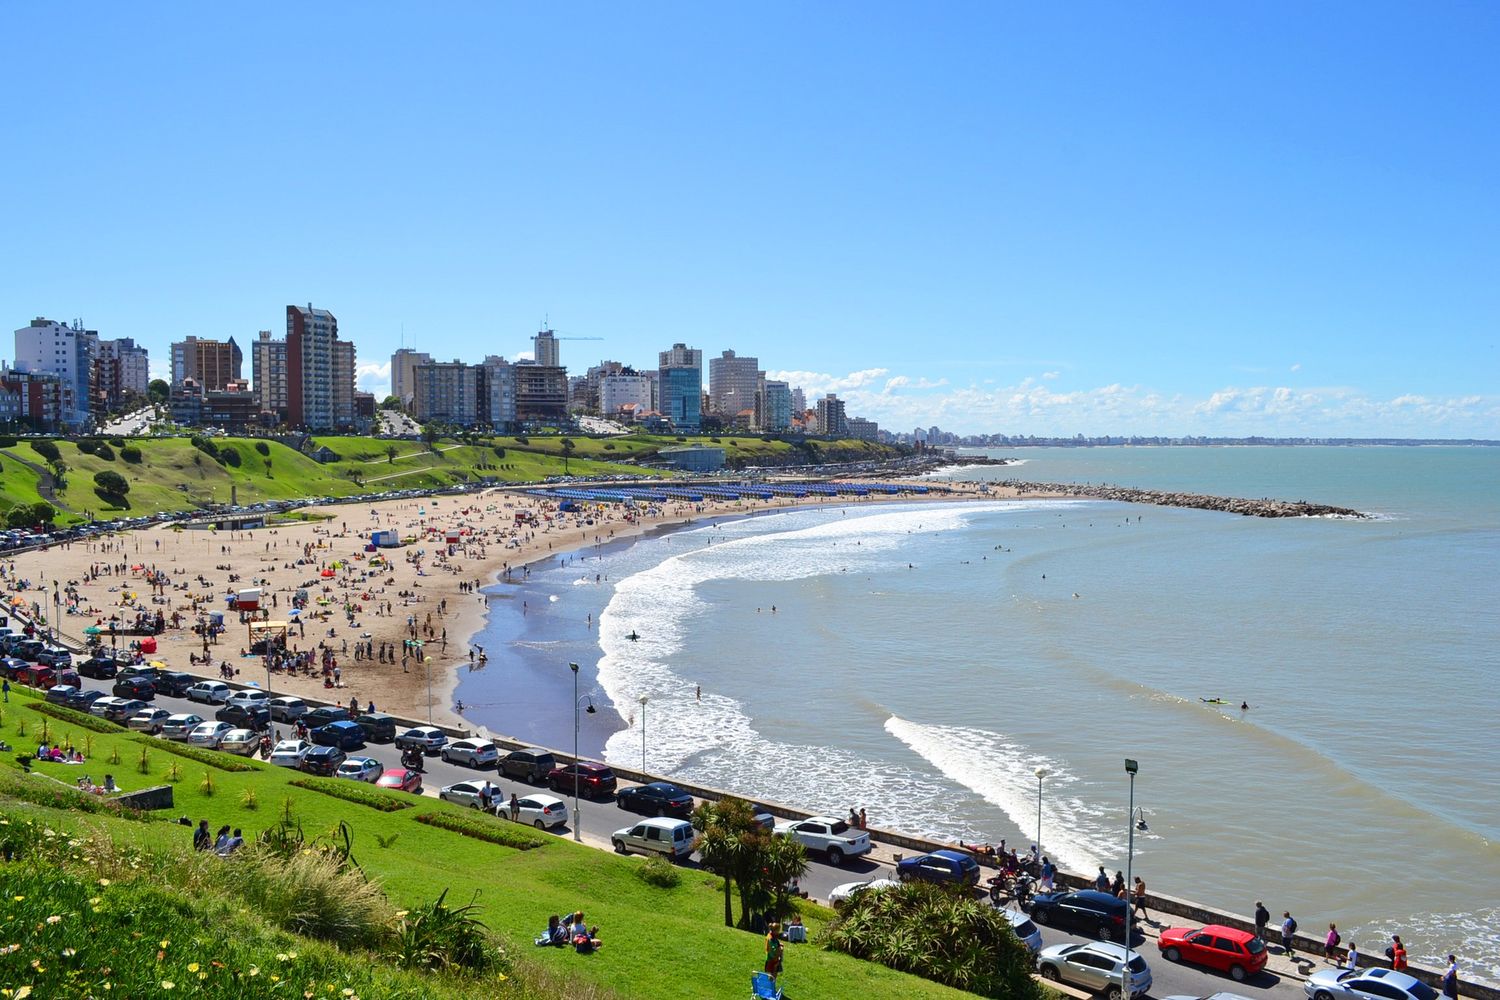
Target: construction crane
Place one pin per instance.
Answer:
(545, 328)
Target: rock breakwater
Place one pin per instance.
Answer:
(1264, 507)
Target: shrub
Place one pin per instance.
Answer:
(482, 827)
(118, 442)
(42, 791)
(105, 452)
(111, 482)
(82, 719)
(46, 449)
(206, 786)
(609, 446)
(88, 446)
(262, 447)
(7, 442)
(351, 791)
(131, 454)
(437, 936)
(213, 758)
(231, 457)
(660, 872)
(521, 439)
(249, 800)
(499, 451)
(312, 892)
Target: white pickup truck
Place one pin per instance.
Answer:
(835, 838)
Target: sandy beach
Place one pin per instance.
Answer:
(354, 598)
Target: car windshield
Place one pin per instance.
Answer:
(1422, 991)
(1137, 964)
(1256, 945)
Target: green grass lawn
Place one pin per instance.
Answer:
(658, 942)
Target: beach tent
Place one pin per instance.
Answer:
(148, 644)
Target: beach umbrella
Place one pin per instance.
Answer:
(327, 574)
(92, 630)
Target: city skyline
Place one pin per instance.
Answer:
(942, 219)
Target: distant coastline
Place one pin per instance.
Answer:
(1109, 441)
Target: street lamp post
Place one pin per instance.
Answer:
(1131, 767)
(1040, 773)
(643, 699)
(56, 611)
(577, 777)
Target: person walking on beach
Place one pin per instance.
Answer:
(1288, 930)
(1262, 918)
(1101, 881)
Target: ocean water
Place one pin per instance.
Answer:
(923, 660)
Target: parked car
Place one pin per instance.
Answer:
(541, 810)
(149, 720)
(174, 683)
(101, 706)
(594, 781)
(944, 867)
(833, 837)
(61, 694)
(286, 708)
(673, 839)
(54, 656)
(241, 741)
(402, 779)
(315, 717)
(250, 698)
(12, 666)
(1098, 966)
(245, 716)
(530, 764)
(289, 753)
(841, 894)
(1025, 929)
(1366, 984)
(82, 701)
(1087, 911)
(660, 798)
(179, 727)
(344, 734)
(134, 687)
(466, 793)
(473, 752)
(378, 727)
(209, 734)
(322, 760)
(359, 769)
(428, 739)
(123, 709)
(1225, 949)
(209, 692)
(98, 667)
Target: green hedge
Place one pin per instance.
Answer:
(213, 758)
(355, 791)
(76, 718)
(41, 790)
(481, 827)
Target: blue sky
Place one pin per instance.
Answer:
(1055, 219)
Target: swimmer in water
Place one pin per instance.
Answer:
(1244, 706)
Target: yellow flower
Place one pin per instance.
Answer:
(95, 901)
(348, 991)
(167, 984)
(69, 952)
(104, 881)
(192, 966)
(281, 956)
(202, 975)
(165, 942)
(254, 970)
(18, 898)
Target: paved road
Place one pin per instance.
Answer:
(597, 820)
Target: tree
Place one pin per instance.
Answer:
(158, 391)
(785, 862)
(390, 403)
(42, 512)
(59, 470)
(46, 449)
(390, 452)
(567, 449)
(721, 824)
(111, 482)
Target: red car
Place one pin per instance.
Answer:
(401, 778)
(595, 781)
(1239, 953)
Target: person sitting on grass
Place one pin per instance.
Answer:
(585, 939)
(556, 935)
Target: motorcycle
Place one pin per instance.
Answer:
(265, 746)
(1018, 888)
(412, 760)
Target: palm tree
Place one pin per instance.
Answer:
(785, 861)
(567, 449)
(730, 848)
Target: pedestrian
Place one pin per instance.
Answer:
(1117, 887)
(773, 951)
(1101, 881)
(1450, 979)
(1397, 953)
(1262, 918)
(515, 808)
(1351, 962)
(863, 823)
(1049, 872)
(1140, 897)
(1331, 941)
(202, 839)
(1288, 929)
(5, 686)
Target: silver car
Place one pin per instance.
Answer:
(1366, 984)
(1095, 966)
(177, 727)
(428, 739)
(209, 734)
(149, 720)
(241, 741)
(475, 753)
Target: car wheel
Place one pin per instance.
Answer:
(835, 856)
(1114, 993)
(1040, 916)
(1050, 974)
(1322, 995)
(1237, 973)
(540, 825)
(1106, 932)
(620, 847)
(1172, 955)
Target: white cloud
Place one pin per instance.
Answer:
(1051, 375)
(1297, 367)
(376, 378)
(821, 383)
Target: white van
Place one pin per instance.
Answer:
(673, 838)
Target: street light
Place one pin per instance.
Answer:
(643, 699)
(1131, 767)
(1040, 773)
(577, 812)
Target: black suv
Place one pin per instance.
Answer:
(1087, 911)
(532, 764)
(245, 716)
(323, 716)
(378, 727)
(135, 687)
(174, 682)
(100, 667)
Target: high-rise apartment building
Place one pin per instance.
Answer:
(731, 383)
(681, 397)
(862, 430)
(624, 389)
(446, 392)
(799, 401)
(773, 410)
(545, 350)
(319, 371)
(541, 393)
(121, 369)
(497, 393)
(831, 419)
(213, 364)
(402, 364)
(268, 368)
(47, 346)
(681, 356)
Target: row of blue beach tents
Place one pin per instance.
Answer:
(729, 491)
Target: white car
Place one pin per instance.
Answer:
(1025, 929)
(541, 811)
(178, 727)
(241, 741)
(466, 793)
(835, 838)
(209, 734)
(250, 699)
(841, 894)
(103, 705)
(360, 769)
(286, 708)
(474, 752)
(428, 739)
(289, 753)
(209, 692)
(148, 720)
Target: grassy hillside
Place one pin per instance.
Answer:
(660, 942)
